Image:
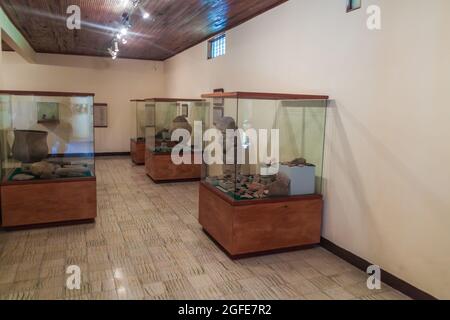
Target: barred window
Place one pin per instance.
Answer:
(217, 47)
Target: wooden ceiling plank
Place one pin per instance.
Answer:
(176, 25)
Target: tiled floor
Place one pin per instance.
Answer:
(147, 244)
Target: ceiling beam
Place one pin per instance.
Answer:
(12, 36)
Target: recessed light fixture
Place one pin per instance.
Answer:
(146, 15)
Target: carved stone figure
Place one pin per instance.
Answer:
(224, 124)
(30, 146)
(180, 122)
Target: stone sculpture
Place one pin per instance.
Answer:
(181, 122)
(224, 124)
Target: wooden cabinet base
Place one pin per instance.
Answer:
(137, 151)
(52, 202)
(160, 168)
(261, 226)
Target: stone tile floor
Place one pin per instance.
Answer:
(147, 244)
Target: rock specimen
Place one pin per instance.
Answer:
(72, 171)
(299, 162)
(30, 146)
(22, 177)
(280, 187)
(44, 170)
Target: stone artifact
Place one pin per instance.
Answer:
(30, 146)
(23, 177)
(299, 162)
(164, 134)
(44, 170)
(180, 122)
(72, 171)
(281, 186)
(224, 124)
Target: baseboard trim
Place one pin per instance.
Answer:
(112, 154)
(388, 278)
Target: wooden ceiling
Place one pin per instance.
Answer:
(174, 26)
(6, 47)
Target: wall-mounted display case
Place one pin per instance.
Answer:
(47, 167)
(257, 201)
(137, 143)
(163, 117)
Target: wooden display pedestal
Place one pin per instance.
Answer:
(260, 226)
(138, 151)
(160, 168)
(34, 203)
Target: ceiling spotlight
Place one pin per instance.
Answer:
(146, 15)
(124, 31)
(124, 41)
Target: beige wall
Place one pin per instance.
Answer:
(387, 188)
(1, 61)
(113, 82)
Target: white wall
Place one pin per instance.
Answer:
(113, 82)
(387, 190)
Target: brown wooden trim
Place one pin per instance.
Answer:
(138, 100)
(46, 93)
(238, 203)
(49, 181)
(173, 181)
(386, 277)
(48, 122)
(264, 96)
(111, 154)
(172, 100)
(99, 104)
(229, 27)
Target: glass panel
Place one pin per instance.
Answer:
(195, 111)
(47, 137)
(140, 120)
(222, 176)
(160, 118)
(294, 168)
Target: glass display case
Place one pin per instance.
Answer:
(46, 138)
(162, 118)
(295, 168)
(273, 156)
(137, 143)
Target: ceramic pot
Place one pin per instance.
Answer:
(30, 146)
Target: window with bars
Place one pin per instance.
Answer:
(217, 47)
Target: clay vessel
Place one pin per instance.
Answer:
(30, 146)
